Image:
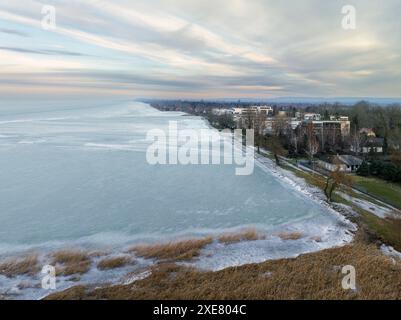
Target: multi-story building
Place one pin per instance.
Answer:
(368, 132)
(371, 145)
(329, 133)
(268, 110)
(345, 124)
(246, 117)
(222, 111)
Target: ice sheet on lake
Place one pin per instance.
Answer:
(78, 177)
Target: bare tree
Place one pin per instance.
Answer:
(336, 179)
(249, 120)
(312, 144)
(396, 157)
(294, 140)
(356, 142)
(280, 126)
(259, 127)
(274, 145)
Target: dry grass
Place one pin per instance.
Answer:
(113, 263)
(15, 266)
(173, 251)
(387, 230)
(291, 235)
(98, 254)
(248, 235)
(69, 262)
(310, 276)
(75, 293)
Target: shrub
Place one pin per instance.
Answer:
(291, 235)
(113, 263)
(248, 235)
(15, 266)
(71, 262)
(180, 250)
(364, 170)
(385, 170)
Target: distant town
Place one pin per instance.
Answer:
(363, 138)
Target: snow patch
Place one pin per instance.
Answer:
(379, 211)
(390, 251)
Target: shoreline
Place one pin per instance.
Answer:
(119, 275)
(214, 257)
(309, 276)
(229, 255)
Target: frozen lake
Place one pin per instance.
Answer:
(79, 175)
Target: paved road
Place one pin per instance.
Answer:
(302, 165)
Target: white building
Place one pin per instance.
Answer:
(344, 163)
(222, 111)
(254, 109)
(312, 117)
(243, 116)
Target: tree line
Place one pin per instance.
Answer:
(388, 171)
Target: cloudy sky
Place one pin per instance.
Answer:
(200, 49)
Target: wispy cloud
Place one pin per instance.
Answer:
(203, 48)
(14, 32)
(51, 52)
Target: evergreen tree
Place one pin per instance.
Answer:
(364, 169)
(376, 168)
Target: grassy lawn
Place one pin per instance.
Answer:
(312, 179)
(386, 191)
(387, 230)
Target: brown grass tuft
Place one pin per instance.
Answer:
(290, 235)
(15, 266)
(71, 262)
(248, 235)
(98, 254)
(113, 263)
(310, 276)
(176, 251)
